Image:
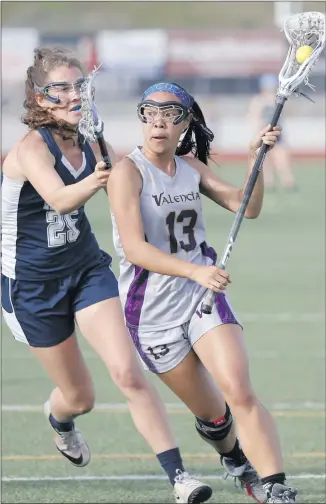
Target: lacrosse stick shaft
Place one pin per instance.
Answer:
(104, 150)
(209, 299)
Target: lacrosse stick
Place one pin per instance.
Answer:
(91, 126)
(306, 29)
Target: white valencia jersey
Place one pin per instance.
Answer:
(171, 210)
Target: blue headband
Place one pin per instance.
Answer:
(186, 99)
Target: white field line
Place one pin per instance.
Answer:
(307, 406)
(133, 477)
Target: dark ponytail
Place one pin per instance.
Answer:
(197, 138)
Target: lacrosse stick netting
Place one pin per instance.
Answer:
(91, 126)
(306, 29)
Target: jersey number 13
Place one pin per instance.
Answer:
(188, 229)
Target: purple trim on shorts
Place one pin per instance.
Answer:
(133, 308)
(223, 309)
(135, 338)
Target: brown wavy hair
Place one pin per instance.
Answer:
(45, 60)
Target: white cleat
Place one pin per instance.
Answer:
(188, 490)
(70, 444)
(248, 478)
(281, 493)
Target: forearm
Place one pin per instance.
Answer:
(69, 198)
(153, 259)
(256, 201)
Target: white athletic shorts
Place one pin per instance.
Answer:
(161, 351)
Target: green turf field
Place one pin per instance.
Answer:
(278, 273)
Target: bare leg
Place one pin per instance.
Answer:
(222, 351)
(74, 394)
(111, 340)
(195, 387)
(191, 382)
(103, 326)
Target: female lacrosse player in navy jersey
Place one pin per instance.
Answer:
(166, 267)
(53, 271)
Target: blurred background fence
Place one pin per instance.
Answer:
(217, 50)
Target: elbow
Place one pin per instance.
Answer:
(134, 253)
(253, 209)
(60, 211)
(131, 254)
(252, 213)
(61, 208)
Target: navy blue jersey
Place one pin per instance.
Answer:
(37, 242)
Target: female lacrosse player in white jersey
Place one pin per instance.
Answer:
(53, 271)
(166, 267)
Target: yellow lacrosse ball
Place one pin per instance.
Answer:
(303, 53)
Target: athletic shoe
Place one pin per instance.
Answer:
(188, 490)
(281, 493)
(247, 476)
(70, 444)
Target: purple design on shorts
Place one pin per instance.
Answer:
(135, 338)
(134, 304)
(223, 308)
(224, 311)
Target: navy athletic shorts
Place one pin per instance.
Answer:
(42, 314)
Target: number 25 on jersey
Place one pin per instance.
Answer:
(61, 228)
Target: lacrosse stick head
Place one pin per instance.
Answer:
(305, 29)
(90, 124)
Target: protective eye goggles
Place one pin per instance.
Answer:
(174, 112)
(56, 92)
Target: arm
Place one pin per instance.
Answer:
(37, 165)
(124, 187)
(227, 195)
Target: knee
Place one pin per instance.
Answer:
(81, 401)
(128, 380)
(240, 395)
(216, 430)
